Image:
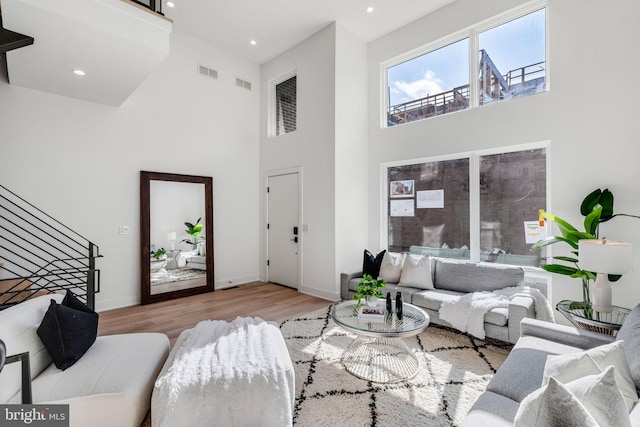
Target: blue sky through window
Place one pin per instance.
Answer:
(512, 45)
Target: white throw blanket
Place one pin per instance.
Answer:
(466, 313)
(228, 374)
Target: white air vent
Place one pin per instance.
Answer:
(243, 84)
(207, 72)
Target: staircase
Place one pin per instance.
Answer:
(10, 40)
(39, 255)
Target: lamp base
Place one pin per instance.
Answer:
(602, 294)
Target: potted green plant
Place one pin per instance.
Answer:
(194, 231)
(597, 207)
(369, 290)
(160, 253)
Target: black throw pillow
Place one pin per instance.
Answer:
(68, 330)
(371, 263)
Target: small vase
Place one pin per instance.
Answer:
(372, 301)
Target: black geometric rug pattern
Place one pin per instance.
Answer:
(454, 370)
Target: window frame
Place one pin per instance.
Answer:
(472, 33)
(272, 114)
(474, 190)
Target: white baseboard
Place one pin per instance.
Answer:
(331, 296)
(235, 281)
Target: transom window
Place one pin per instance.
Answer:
(450, 75)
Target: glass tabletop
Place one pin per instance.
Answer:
(589, 319)
(414, 321)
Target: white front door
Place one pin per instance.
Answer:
(283, 232)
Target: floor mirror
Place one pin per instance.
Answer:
(176, 231)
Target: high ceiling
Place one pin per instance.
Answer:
(116, 45)
(277, 25)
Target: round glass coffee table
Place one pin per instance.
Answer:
(378, 353)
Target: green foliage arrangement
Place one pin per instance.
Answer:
(194, 231)
(368, 287)
(157, 254)
(597, 207)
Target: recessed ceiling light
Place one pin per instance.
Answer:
(253, 42)
(78, 72)
(370, 9)
(170, 4)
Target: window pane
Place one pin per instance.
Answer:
(286, 106)
(432, 84)
(429, 208)
(512, 190)
(512, 59)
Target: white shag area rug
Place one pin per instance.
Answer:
(454, 370)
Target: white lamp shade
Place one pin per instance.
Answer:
(605, 256)
(171, 235)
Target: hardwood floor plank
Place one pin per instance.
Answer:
(258, 299)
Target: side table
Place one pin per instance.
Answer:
(604, 323)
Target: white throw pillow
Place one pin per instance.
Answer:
(391, 267)
(416, 272)
(600, 395)
(569, 367)
(553, 405)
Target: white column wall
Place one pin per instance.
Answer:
(312, 148)
(80, 161)
(352, 213)
(589, 115)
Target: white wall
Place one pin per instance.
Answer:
(311, 147)
(589, 115)
(351, 147)
(80, 161)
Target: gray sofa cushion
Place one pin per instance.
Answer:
(491, 410)
(530, 352)
(630, 333)
(471, 277)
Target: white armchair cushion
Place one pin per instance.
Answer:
(593, 400)
(18, 330)
(569, 367)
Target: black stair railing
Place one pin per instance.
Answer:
(39, 254)
(153, 5)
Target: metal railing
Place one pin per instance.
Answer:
(429, 106)
(39, 255)
(152, 5)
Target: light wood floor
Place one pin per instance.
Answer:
(265, 300)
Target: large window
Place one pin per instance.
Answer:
(481, 206)
(450, 76)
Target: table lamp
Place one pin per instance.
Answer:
(604, 257)
(171, 236)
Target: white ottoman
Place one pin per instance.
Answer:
(226, 374)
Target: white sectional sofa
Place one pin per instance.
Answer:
(110, 385)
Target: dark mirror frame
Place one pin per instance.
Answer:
(145, 234)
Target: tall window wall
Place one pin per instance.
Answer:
(481, 206)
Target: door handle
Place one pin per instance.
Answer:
(295, 239)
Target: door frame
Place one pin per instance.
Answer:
(274, 173)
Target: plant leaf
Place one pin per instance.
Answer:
(551, 240)
(592, 220)
(606, 201)
(566, 258)
(560, 269)
(562, 224)
(189, 225)
(590, 202)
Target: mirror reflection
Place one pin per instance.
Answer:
(177, 238)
